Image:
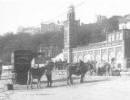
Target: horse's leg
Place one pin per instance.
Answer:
(50, 80)
(110, 71)
(47, 83)
(71, 80)
(106, 71)
(37, 83)
(91, 73)
(28, 80)
(31, 82)
(82, 76)
(27, 83)
(68, 79)
(98, 72)
(47, 80)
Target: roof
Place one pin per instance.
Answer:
(58, 57)
(91, 45)
(124, 19)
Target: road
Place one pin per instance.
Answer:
(113, 88)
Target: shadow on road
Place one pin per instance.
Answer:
(58, 83)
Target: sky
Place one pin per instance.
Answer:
(25, 13)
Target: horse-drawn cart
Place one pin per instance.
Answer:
(21, 60)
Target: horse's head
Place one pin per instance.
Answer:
(42, 69)
(49, 66)
(108, 65)
(89, 65)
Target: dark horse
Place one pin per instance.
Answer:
(104, 69)
(35, 73)
(78, 69)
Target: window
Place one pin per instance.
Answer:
(113, 37)
(121, 36)
(109, 38)
(117, 36)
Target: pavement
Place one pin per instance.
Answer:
(94, 88)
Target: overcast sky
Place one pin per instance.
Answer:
(15, 13)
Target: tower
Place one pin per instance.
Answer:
(70, 33)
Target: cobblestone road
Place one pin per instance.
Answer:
(95, 88)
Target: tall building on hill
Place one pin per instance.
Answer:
(116, 46)
(100, 18)
(50, 27)
(70, 32)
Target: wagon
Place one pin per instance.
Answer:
(21, 60)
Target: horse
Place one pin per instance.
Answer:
(104, 69)
(93, 67)
(35, 73)
(49, 68)
(77, 69)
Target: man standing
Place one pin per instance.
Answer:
(49, 68)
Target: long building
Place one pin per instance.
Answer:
(51, 27)
(116, 46)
